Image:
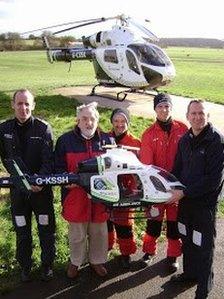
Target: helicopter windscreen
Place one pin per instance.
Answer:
(150, 54)
(166, 175)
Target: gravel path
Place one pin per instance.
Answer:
(140, 104)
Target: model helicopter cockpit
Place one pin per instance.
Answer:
(102, 177)
(120, 57)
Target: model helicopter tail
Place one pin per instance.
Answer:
(18, 178)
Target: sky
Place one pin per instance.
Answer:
(168, 18)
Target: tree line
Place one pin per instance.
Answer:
(13, 41)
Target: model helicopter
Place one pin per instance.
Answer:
(120, 58)
(102, 176)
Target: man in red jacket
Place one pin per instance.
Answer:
(159, 147)
(87, 219)
(120, 219)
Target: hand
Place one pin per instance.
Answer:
(176, 196)
(36, 188)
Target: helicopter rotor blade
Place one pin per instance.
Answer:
(143, 29)
(81, 25)
(82, 22)
(59, 25)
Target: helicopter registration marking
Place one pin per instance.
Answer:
(51, 180)
(79, 55)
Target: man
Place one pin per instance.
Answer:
(121, 221)
(159, 146)
(30, 139)
(87, 219)
(199, 166)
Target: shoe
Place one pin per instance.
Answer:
(25, 275)
(182, 278)
(147, 259)
(72, 271)
(125, 261)
(99, 269)
(47, 273)
(172, 264)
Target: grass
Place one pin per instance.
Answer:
(199, 73)
(32, 70)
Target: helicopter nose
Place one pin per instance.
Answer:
(153, 77)
(169, 74)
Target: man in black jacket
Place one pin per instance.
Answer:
(199, 166)
(30, 139)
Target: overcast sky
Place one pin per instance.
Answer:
(169, 18)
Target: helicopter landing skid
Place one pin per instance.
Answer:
(143, 91)
(120, 96)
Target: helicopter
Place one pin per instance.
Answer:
(102, 177)
(119, 57)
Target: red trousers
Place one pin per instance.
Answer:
(156, 214)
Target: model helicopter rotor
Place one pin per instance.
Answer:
(120, 57)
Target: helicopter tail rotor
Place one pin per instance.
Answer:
(48, 49)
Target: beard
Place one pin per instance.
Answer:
(88, 133)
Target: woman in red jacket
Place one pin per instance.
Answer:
(121, 221)
(159, 147)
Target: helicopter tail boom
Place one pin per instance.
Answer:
(66, 54)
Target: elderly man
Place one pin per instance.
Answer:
(199, 166)
(87, 220)
(30, 139)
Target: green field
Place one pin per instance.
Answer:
(200, 73)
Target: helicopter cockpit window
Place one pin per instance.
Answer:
(149, 54)
(130, 187)
(107, 162)
(110, 56)
(162, 55)
(166, 175)
(157, 184)
(132, 62)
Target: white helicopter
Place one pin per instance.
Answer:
(119, 57)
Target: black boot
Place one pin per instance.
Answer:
(126, 261)
(25, 275)
(47, 273)
(146, 260)
(172, 264)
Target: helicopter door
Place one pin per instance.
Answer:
(132, 62)
(112, 63)
(108, 60)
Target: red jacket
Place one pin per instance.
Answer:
(159, 148)
(122, 215)
(71, 148)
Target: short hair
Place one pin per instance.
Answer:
(23, 90)
(91, 106)
(197, 101)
